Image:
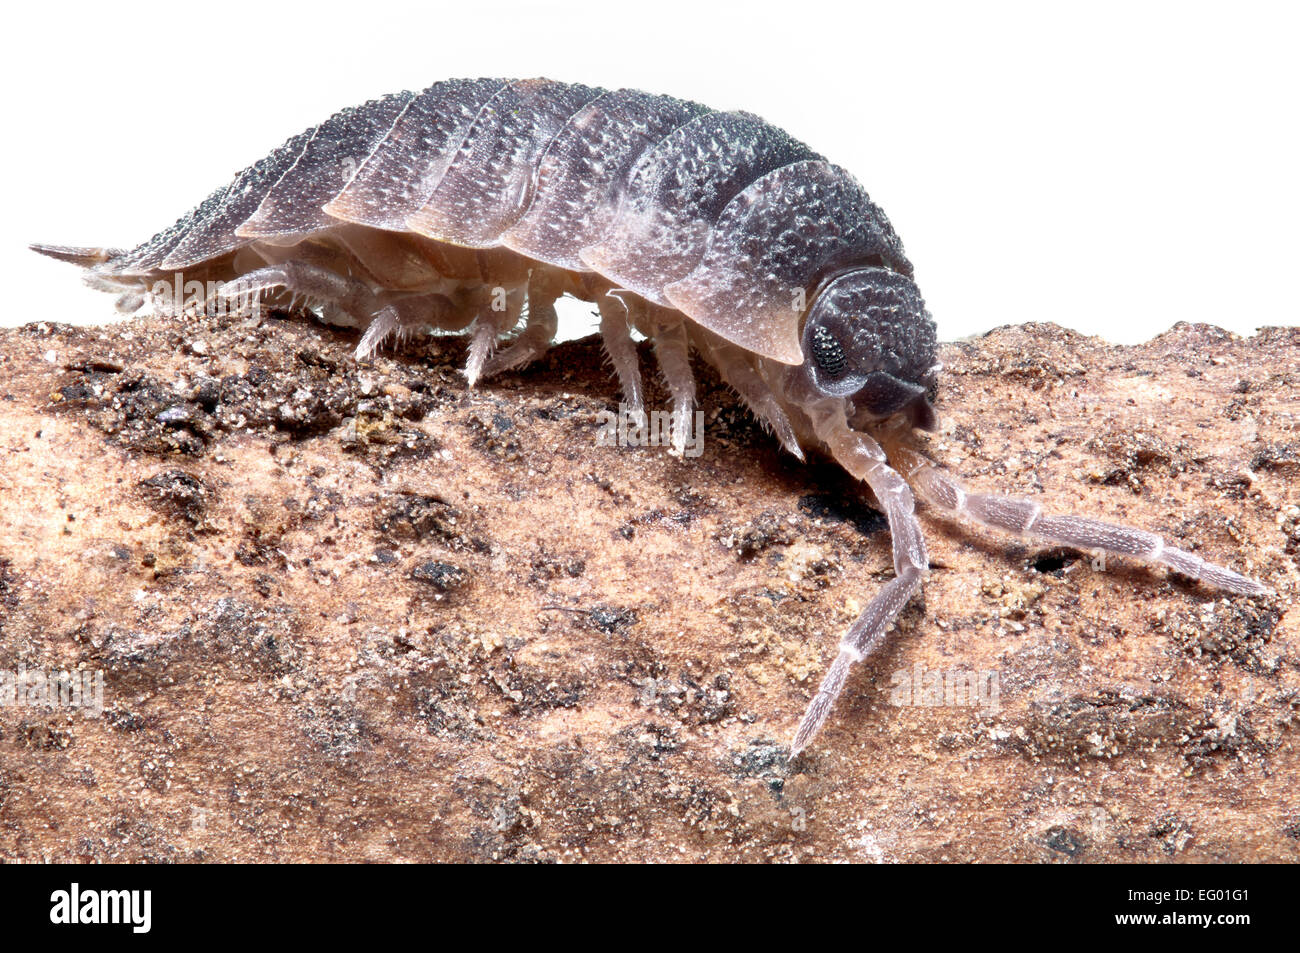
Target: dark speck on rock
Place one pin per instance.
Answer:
(442, 577)
(610, 620)
(179, 492)
(763, 759)
(1063, 840)
(834, 509)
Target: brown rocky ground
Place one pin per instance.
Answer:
(359, 613)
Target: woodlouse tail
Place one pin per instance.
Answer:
(131, 292)
(84, 257)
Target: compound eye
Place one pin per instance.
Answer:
(828, 352)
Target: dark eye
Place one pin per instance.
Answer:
(827, 352)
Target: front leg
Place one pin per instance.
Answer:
(733, 364)
(1025, 517)
(864, 458)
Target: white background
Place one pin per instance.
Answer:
(1114, 168)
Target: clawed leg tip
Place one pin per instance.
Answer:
(1242, 586)
(802, 739)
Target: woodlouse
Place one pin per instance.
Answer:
(474, 204)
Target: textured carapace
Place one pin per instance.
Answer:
(475, 204)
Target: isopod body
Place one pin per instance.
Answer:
(475, 204)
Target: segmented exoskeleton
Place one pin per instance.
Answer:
(476, 202)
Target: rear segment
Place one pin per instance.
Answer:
(337, 148)
(212, 235)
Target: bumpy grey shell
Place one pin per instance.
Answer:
(718, 214)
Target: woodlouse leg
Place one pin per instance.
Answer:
(541, 323)
(733, 364)
(673, 352)
(617, 338)
(349, 297)
(129, 303)
(491, 323)
(1025, 517)
(864, 458)
(401, 317)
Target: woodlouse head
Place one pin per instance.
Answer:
(869, 338)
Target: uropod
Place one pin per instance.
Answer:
(475, 204)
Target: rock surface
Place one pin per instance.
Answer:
(357, 612)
